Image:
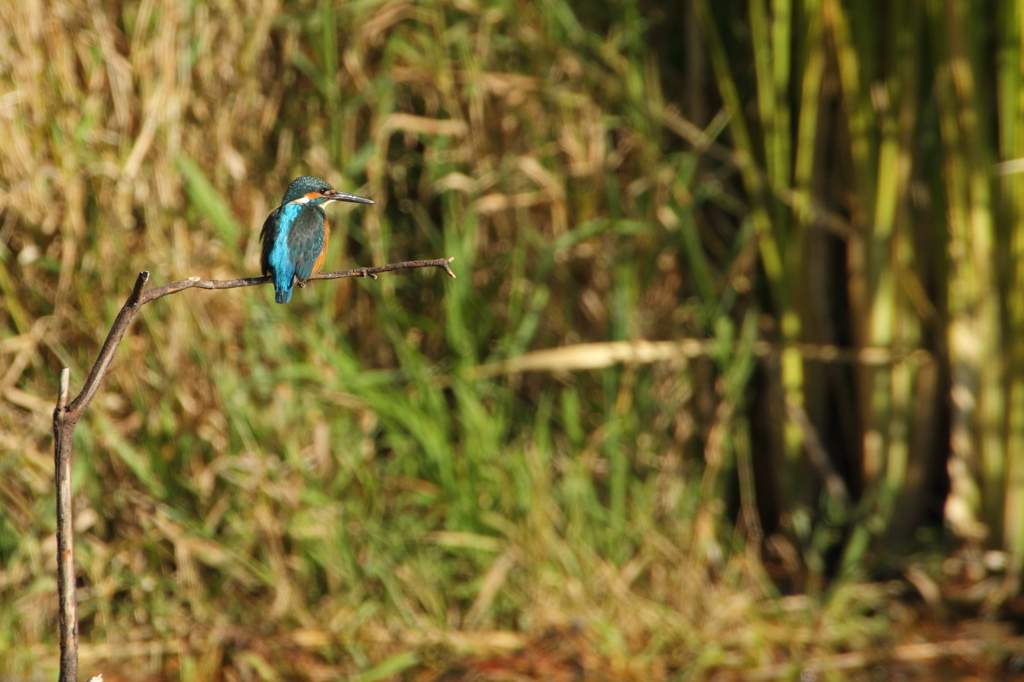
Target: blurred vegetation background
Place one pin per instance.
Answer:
(730, 358)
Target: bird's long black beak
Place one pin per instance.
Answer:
(335, 195)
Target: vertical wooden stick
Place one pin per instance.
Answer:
(68, 613)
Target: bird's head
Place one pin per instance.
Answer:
(311, 190)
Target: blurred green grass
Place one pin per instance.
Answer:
(337, 475)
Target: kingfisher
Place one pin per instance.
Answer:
(295, 234)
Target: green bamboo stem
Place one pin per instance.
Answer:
(1011, 138)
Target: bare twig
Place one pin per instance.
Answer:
(373, 272)
(197, 283)
(68, 608)
(65, 418)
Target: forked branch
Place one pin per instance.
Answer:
(66, 416)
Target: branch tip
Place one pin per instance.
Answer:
(62, 395)
(140, 284)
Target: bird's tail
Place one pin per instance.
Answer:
(282, 294)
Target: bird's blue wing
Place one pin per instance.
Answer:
(268, 235)
(306, 240)
(275, 260)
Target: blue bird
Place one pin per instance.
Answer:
(295, 234)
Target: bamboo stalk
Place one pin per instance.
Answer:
(1011, 127)
(975, 504)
